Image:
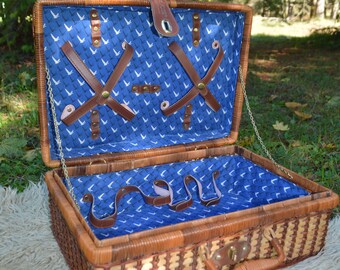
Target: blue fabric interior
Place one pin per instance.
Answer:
(243, 185)
(152, 63)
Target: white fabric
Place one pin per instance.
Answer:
(26, 240)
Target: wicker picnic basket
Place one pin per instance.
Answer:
(261, 216)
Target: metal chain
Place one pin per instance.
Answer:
(58, 139)
(264, 148)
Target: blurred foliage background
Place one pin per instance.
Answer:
(16, 16)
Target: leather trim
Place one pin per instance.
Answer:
(196, 29)
(95, 124)
(95, 28)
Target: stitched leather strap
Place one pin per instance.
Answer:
(99, 98)
(200, 85)
(110, 220)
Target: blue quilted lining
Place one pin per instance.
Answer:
(152, 63)
(242, 183)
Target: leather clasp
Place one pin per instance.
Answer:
(232, 253)
(163, 19)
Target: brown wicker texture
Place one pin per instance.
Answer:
(300, 237)
(39, 51)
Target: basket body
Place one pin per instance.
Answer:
(106, 61)
(300, 225)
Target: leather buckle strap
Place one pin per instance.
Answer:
(182, 205)
(102, 95)
(200, 85)
(110, 220)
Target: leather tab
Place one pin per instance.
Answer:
(146, 88)
(187, 117)
(95, 28)
(163, 19)
(95, 122)
(196, 36)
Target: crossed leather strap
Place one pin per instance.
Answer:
(200, 85)
(165, 192)
(102, 95)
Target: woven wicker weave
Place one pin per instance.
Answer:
(301, 237)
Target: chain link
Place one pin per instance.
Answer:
(58, 139)
(258, 136)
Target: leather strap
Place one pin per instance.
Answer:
(165, 192)
(110, 220)
(200, 85)
(102, 95)
(182, 205)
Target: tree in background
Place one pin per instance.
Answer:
(16, 24)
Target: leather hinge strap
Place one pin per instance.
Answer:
(102, 95)
(110, 220)
(200, 85)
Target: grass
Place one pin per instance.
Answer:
(20, 159)
(304, 70)
(281, 69)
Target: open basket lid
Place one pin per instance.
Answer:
(153, 77)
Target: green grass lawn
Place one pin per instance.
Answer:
(282, 69)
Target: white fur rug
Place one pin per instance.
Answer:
(26, 241)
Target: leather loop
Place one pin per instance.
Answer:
(187, 117)
(163, 19)
(95, 28)
(196, 29)
(200, 85)
(265, 264)
(95, 124)
(99, 98)
(146, 88)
